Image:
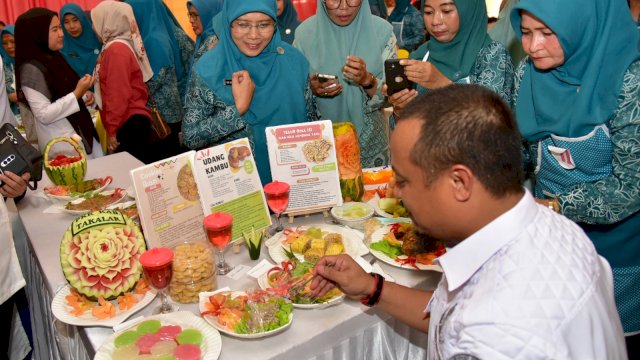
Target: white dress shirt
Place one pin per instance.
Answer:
(529, 285)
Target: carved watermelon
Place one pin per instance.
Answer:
(65, 169)
(349, 166)
(100, 253)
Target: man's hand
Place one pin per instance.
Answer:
(341, 271)
(12, 184)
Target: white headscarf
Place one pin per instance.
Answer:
(114, 21)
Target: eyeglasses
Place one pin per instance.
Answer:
(193, 17)
(245, 27)
(334, 4)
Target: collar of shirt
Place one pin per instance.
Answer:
(462, 261)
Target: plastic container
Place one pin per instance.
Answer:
(353, 214)
(193, 272)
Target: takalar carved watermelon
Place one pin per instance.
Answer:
(65, 169)
(349, 165)
(100, 253)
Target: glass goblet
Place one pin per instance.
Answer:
(156, 264)
(277, 194)
(218, 227)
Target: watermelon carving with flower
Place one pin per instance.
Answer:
(100, 253)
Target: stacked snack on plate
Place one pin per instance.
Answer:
(313, 243)
(193, 272)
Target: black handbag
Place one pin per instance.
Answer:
(18, 156)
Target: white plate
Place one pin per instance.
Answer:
(377, 237)
(263, 281)
(204, 297)
(123, 205)
(211, 346)
(374, 202)
(352, 239)
(77, 201)
(62, 311)
(108, 181)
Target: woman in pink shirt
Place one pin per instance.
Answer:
(121, 72)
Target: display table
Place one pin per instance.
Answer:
(347, 331)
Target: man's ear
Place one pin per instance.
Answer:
(462, 181)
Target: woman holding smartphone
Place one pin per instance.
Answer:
(250, 80)
(460, 51)
(345, 40)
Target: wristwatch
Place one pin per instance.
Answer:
(371, 84)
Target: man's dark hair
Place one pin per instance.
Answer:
(472, 126)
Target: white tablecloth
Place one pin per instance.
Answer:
(346, 331)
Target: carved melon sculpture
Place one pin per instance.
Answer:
(100, 254)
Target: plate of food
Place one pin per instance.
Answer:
(310, 243)
(247, 314)
(389, 207)
(73, 308)
(398, 246)
(128, 208)
(293, 279)
(177, 335)
(94, 202)
(74, 191)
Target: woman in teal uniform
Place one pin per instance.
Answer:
(287, 20)
(344, 39)
(201, 12)
(578, 108)
(459, 51)
(250, 80)
(81, 45)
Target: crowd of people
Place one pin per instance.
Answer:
(554, 97)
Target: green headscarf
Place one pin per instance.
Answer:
(456, 58)
(600, 41)
(327, 45)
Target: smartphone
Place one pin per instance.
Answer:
(14, 163)
(395, 77)
(324, 77)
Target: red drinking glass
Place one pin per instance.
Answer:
(218, 227)
(156, 264)
(277, 194)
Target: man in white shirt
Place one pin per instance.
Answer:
(519, 281)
